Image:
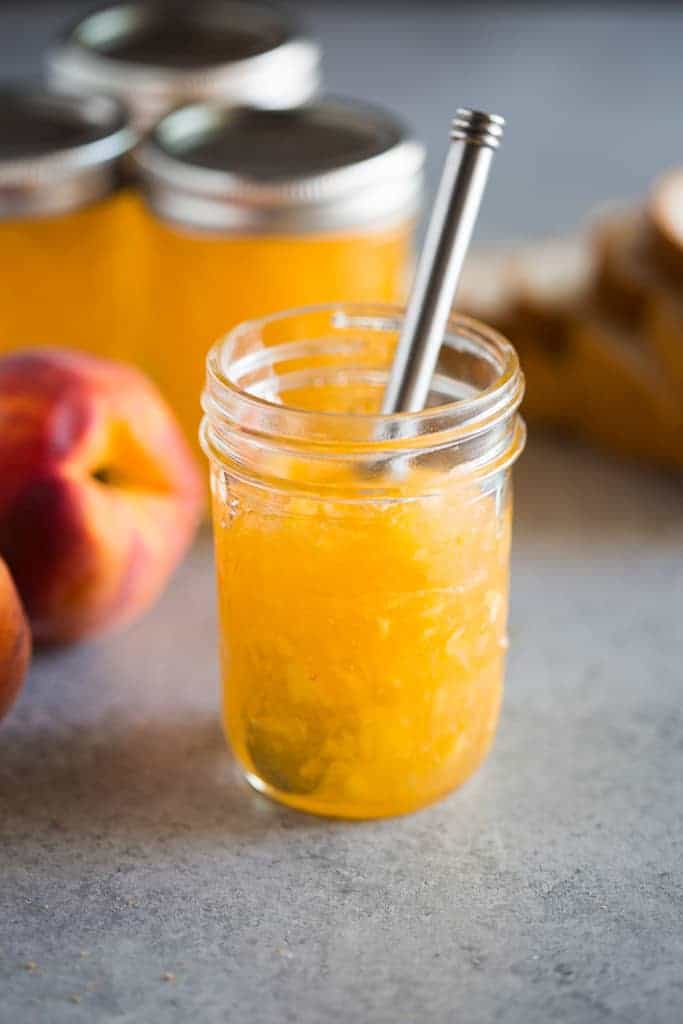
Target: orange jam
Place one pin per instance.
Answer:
(68, 279)
(69, 239)
(363, 598)
(363, 641)
(201, 285)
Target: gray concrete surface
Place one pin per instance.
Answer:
(549, 888)
(141, 881)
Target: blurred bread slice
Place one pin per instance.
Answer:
(484, 290)
(632, 286)
(576, 309)
(549, 395)
(665, 219)
(623, 401)
(663, 326)
(624, 274)
(549, 283)
(586, 369)
(488, 291)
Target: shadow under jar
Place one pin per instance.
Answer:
(362, 559)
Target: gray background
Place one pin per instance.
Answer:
(550, 887)
(592, 92)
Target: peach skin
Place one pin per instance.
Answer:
(15, 642)
(99, 493)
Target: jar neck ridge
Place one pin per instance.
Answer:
(295, 394)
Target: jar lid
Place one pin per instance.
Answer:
(57, 152)
(153, 55)
(331, 165)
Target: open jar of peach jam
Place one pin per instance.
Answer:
(362, 559)
(249, 211)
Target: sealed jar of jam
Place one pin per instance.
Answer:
(251, 209)
(65, 274)
(362, 559)
(155, 55)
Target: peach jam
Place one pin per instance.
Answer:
(65, 267)
(362, 560)
(250, 211)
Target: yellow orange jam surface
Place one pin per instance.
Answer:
(363, 639)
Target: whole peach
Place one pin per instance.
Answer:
(15, 642)
(99, 492)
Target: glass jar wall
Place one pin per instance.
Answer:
(362, 560)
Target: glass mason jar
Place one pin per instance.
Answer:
(67, 259)
(362, 559)
(153, 56)
(249, 211)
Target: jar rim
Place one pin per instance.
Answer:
(229, 168)
(228, 406)
(59, 152)
(281, 69)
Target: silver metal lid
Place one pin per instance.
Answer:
(154, 55)
(329, 166)
(56, 152)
